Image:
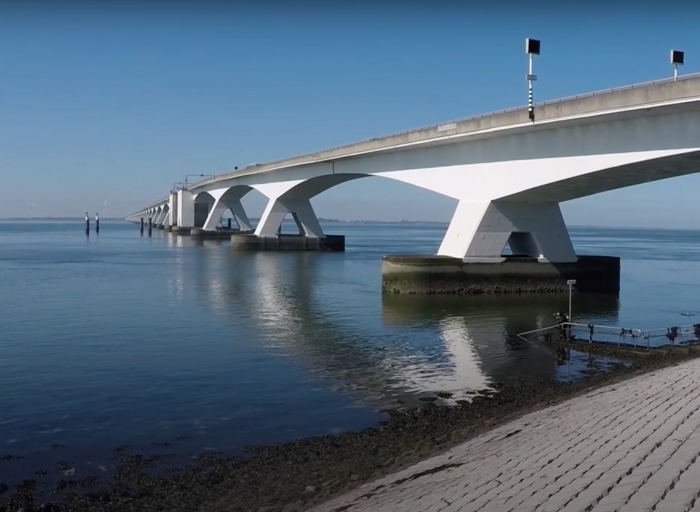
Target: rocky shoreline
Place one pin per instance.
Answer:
(294, 476)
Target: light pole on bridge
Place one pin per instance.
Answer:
(677, 59)
(532, 47)
(197, 176)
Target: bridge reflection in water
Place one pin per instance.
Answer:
(325, 319)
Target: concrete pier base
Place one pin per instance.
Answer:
(251, 242)
(180, 230)
(215, 234)
(160, 226)
(445, 275)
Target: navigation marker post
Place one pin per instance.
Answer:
(532, 47)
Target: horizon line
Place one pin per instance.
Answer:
(355, 221)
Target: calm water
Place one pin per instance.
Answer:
(127, 339)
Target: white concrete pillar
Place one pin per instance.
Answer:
(481, 229)
(222, 204)
(215, 213)
(185, 209)
(166, 216)
(158, 218)
(239, 213)
(276, 210)
(172, 210)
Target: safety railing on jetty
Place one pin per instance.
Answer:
(651, 338)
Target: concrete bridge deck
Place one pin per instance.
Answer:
(636, 95)
(628, 447)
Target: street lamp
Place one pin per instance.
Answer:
(196, 175)
(532, 47)
(570, 282)
(677, 59)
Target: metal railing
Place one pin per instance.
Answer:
(620, 336)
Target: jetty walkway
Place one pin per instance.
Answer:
(628, 447)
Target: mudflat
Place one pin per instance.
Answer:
(309, 472)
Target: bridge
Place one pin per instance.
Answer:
(508, 173)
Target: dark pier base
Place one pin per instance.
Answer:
(251, 242)
(216, 234)
(445, 275)
(180, 230)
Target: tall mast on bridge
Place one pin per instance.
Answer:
(532, 47)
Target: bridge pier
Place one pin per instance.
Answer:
(471, 258)
(223, 203)
(268, 237)
(443, 275)
(185, 209)
(482, 229)
(302, 212)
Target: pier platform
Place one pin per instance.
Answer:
(627, 447)
(440, 275)
(214, 234)
(251, 242)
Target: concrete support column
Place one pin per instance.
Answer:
(481, 229)
(215, 214)
(173, 209)
(239, 213)
(185, 210)
(301, 209)
(166, 216)
(158, 217)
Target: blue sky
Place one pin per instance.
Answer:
(115, 104)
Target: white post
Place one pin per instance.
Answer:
(530, 106)
(675, 72)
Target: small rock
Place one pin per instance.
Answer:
(69, 472)
(354, 478)
(310, 489)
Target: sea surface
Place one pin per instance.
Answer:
(119, 338)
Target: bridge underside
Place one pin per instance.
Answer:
(529, 222)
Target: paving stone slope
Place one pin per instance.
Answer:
(629, 447)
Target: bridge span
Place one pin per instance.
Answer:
(509, 174)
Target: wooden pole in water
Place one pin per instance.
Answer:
(87, 224)
(141, 226)
(97, 223)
